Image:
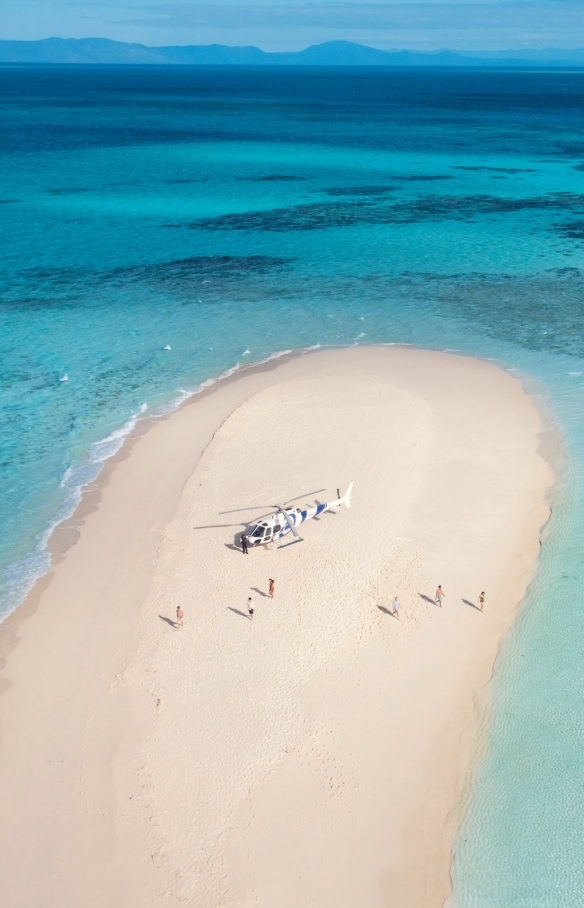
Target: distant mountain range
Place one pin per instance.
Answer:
(332, 53)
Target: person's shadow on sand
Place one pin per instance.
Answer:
(237, 612)
(472, 604)
(382, 608)
(168, 621)
(427, 599)
(259, 592)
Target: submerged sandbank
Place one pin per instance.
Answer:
(319, 754)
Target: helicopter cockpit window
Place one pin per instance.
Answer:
(257, 531)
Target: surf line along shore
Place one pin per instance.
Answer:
(318, 755)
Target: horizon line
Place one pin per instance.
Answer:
(341, 41)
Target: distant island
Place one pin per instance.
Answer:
(332, 53)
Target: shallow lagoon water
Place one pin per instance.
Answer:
(233, 214)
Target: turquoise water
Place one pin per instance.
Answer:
(233, 214)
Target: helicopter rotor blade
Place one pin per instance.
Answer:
(266, 507)
(307, 495)
(289, 521)
(255, 507)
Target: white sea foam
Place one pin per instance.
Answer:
(21, 575)
(574, 373)
(65, 477)
(179, 399)
(184, 394)
(64, 377)
(100, 451)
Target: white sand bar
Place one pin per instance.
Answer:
(318, 756)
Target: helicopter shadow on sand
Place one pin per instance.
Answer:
(236, 544)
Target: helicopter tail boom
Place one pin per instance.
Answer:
(346, 500)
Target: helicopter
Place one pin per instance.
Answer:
(285, 519)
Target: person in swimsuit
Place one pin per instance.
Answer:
(439, 595)
(179, 616)
(482, 602)
(271, 588)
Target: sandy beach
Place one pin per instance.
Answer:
(321, 754)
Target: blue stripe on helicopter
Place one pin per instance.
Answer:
(303, 516)
(319, 510)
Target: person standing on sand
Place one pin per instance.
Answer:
(271, 588)
(244, 543)
(439, 595)
(179, 616)
(250, 607)
(396, 606)
(482, 601)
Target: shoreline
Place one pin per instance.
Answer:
(63, 534)
(89, 492)
(139, 425)
(66, 537)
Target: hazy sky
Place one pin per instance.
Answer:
(294, 24)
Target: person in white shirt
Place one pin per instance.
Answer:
(250, 608)
(396, 607)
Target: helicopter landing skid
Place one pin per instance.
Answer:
(294, 541)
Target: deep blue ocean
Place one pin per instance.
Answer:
(161, 225)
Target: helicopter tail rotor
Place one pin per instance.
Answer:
(347, 498)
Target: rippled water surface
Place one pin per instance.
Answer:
(161, 225)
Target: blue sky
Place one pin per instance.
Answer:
(294, 24)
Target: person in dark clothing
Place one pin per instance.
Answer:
(244, 543)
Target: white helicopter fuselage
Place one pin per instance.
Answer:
(277, 525)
